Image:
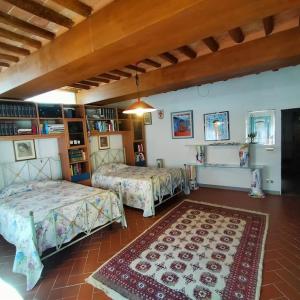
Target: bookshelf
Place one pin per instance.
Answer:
(131, 128)
(74, 146)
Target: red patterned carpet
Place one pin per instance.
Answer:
(196, 251)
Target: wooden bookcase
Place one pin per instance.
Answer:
(74, 146)
(131, 128)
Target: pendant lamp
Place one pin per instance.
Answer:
(139, 107)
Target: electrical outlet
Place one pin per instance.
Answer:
(268, 180)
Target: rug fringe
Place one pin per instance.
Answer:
(108, 291)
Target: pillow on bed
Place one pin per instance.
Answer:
(14, 189)
(110, 167)
(36, 185)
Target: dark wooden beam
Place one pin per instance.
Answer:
(87, 82)
(3, 64)
(135, 68)
(76, 6)
(275, 51)
(121, 73)
(109, 76)
(236, 34)
(151, 63)
(19, 38)
(11, 48)
(187, 51)
(80, 86)
(47, 69)
(24, 26)
(268, 24)
(211, 43)
(97, 79)
(42, 12)
(169, 57)
(8, 57)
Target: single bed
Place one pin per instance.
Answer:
(141, 187)
(37, 215)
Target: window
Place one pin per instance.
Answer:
(56, 96)
(260, 127)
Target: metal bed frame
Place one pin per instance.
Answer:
(43, 169)
(160, 195)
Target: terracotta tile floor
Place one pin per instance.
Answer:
(64, 274)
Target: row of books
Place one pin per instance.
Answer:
(8, 129)
(52, 128)
(76, 155)
(102, 113)
(104, 126)
(17, 110)
(76, 169)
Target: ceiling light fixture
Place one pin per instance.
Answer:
(139, 107)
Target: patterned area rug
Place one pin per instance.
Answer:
(196, 251)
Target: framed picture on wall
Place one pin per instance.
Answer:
(216, 126)
(24, 150)
(103, 142)
(147, 118)
(182, 124)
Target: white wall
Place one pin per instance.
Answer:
(268, 90)
(115, 141)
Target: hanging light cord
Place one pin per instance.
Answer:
(137, 82)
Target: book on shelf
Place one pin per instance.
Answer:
(76, 169)
(103, 126)
(15, 110)
(101, 113)
(76, 155)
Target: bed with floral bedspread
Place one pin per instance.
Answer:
(140, 186)
(61, 211)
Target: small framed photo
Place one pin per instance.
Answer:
(182, 124)
(148, 118)
(104, 142)
(216, 126)
(24, 150)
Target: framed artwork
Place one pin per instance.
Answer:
(260, 127)
(104, 142)
(216, 126)
(161, 114)
(147, 118)
(182, 124)
(24, 150)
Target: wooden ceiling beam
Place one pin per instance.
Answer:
(109, 76)
(136, 68)
(42, 11)
(151, 62)
(4, 64)
(20, 38)
(97, 79)
(275, 51)
(236, 35)
(211, 43)
(17, 50)
(80, 86)
(87, 82)
(72, 56)
(121, 73)
(8, 57)
(76, 6)
(169, 57)
(268, 24)
(24, 26)
(187, 51)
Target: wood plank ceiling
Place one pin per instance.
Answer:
(255, 30)
(26, 26)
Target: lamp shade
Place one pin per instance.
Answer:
(139, 108)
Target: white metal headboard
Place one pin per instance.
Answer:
(47, 168)
(102, 157)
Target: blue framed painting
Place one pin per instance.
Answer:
(216, 126)
(182, 124)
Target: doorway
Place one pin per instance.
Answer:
(290, 151)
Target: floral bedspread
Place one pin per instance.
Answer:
(61, 201)
(138, 190)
